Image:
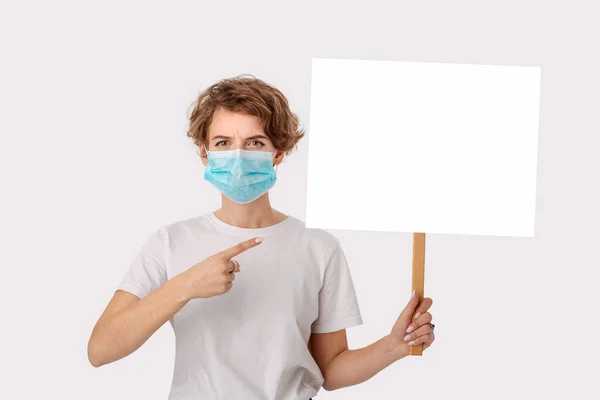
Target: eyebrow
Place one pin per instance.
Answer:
(248, 138)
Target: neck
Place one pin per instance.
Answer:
(258, 214)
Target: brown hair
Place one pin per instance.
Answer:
(251, 96)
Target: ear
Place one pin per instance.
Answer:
(278, 159)
(203, 155)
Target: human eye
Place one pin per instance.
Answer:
(257, 143)
(218, 144)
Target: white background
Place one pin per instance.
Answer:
(94, 157)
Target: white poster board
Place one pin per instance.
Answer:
(423, 147)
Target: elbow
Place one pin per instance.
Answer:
(329, 386)
(95, 364)
(94, 355)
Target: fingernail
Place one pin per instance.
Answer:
(410, 329)
(406, 337)
(411, 343)
(258, 240)
(417, 315)
(413, 294)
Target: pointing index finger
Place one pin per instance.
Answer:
(240, 248)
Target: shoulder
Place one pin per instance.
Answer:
(315, 237)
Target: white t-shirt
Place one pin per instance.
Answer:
(252, 342)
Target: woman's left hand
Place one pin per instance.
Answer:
(407, 332)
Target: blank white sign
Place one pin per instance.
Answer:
(423, 147)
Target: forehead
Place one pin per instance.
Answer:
(229, 123)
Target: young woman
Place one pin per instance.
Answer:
(259, 303)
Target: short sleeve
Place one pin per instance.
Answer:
(148, 271)
(338, 304)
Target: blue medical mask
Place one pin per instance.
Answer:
(241, 175)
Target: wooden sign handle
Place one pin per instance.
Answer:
(418, 277)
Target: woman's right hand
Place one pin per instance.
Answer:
(214, 276)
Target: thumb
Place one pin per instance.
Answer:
(410, 308)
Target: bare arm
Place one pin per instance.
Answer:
(351, 367)
(342, 367)
(128, 321)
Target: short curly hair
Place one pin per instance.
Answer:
(249, 95)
